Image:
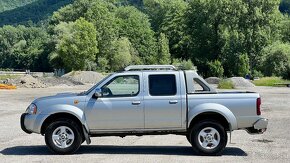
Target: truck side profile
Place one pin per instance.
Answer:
(145, 100)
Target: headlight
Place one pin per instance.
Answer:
(32, 109)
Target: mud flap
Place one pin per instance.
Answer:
(87, 136)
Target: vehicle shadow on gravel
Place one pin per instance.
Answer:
(112, 149)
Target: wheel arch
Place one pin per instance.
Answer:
(59, 115)
(215, 112)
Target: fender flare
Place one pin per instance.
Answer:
(216, 108)
(69, 109)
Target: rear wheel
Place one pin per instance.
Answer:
(188, 138)
(63, 136)
(208, 137)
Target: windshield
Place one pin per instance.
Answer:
(88, 91)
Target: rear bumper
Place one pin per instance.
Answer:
(260, 126)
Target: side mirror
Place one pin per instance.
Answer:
(98, 93)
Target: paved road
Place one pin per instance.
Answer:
(273, 146)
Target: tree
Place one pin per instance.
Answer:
(285, 30)
(243, 65)
(135, 25)
(101, 14)
(247, 25)
(277, 59)
(98, 12)
(122, 56)
(76, 44)
(23, 47)
(260, 26)
(168, 17)
(163, 50)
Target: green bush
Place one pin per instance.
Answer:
(184, 64)
(226, 84)
(215, 68)
(102, 64)
(258, 74)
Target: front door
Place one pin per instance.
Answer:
(120, 107)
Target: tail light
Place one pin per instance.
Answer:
(259, 106)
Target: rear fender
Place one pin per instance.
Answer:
(216, 108)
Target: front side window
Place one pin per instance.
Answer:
(162, 85)
(122, 86)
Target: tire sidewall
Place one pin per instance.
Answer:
(195, 142)
(77, 134)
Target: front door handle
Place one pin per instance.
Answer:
(136, 102)
(173, 102)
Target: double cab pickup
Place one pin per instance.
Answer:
(145, 100)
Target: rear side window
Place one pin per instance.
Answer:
(162, 85)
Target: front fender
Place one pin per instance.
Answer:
(66, 108)
(216, 108)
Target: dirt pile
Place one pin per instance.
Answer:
(28, 81)
(58, 81)
(213, 80)
(240, 82)
(89, 77)
(69, 79)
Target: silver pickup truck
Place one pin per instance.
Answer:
(145, 100)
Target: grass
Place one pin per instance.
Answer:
(269, 81)
(226, 84)
(3, 77)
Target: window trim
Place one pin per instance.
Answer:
(118, 96)
(162, 75)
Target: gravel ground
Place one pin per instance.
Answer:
(17, 146)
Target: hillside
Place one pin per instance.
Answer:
(34, 10)
(284, 6)
(12, 4)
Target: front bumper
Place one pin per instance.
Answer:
(260, 126)
(22, 119)
(32, 122)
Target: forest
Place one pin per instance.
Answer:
(221, 38)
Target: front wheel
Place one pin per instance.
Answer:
(208, 137)
(63, 136)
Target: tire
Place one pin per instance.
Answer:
(188, 138)
(63, 136)
(208, 137)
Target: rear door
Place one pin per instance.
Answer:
(162, 100)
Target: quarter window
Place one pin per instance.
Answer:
(198, 86)
(162, 85)
(122, 86)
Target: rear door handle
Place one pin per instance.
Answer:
(173, 102)
(136, 102)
